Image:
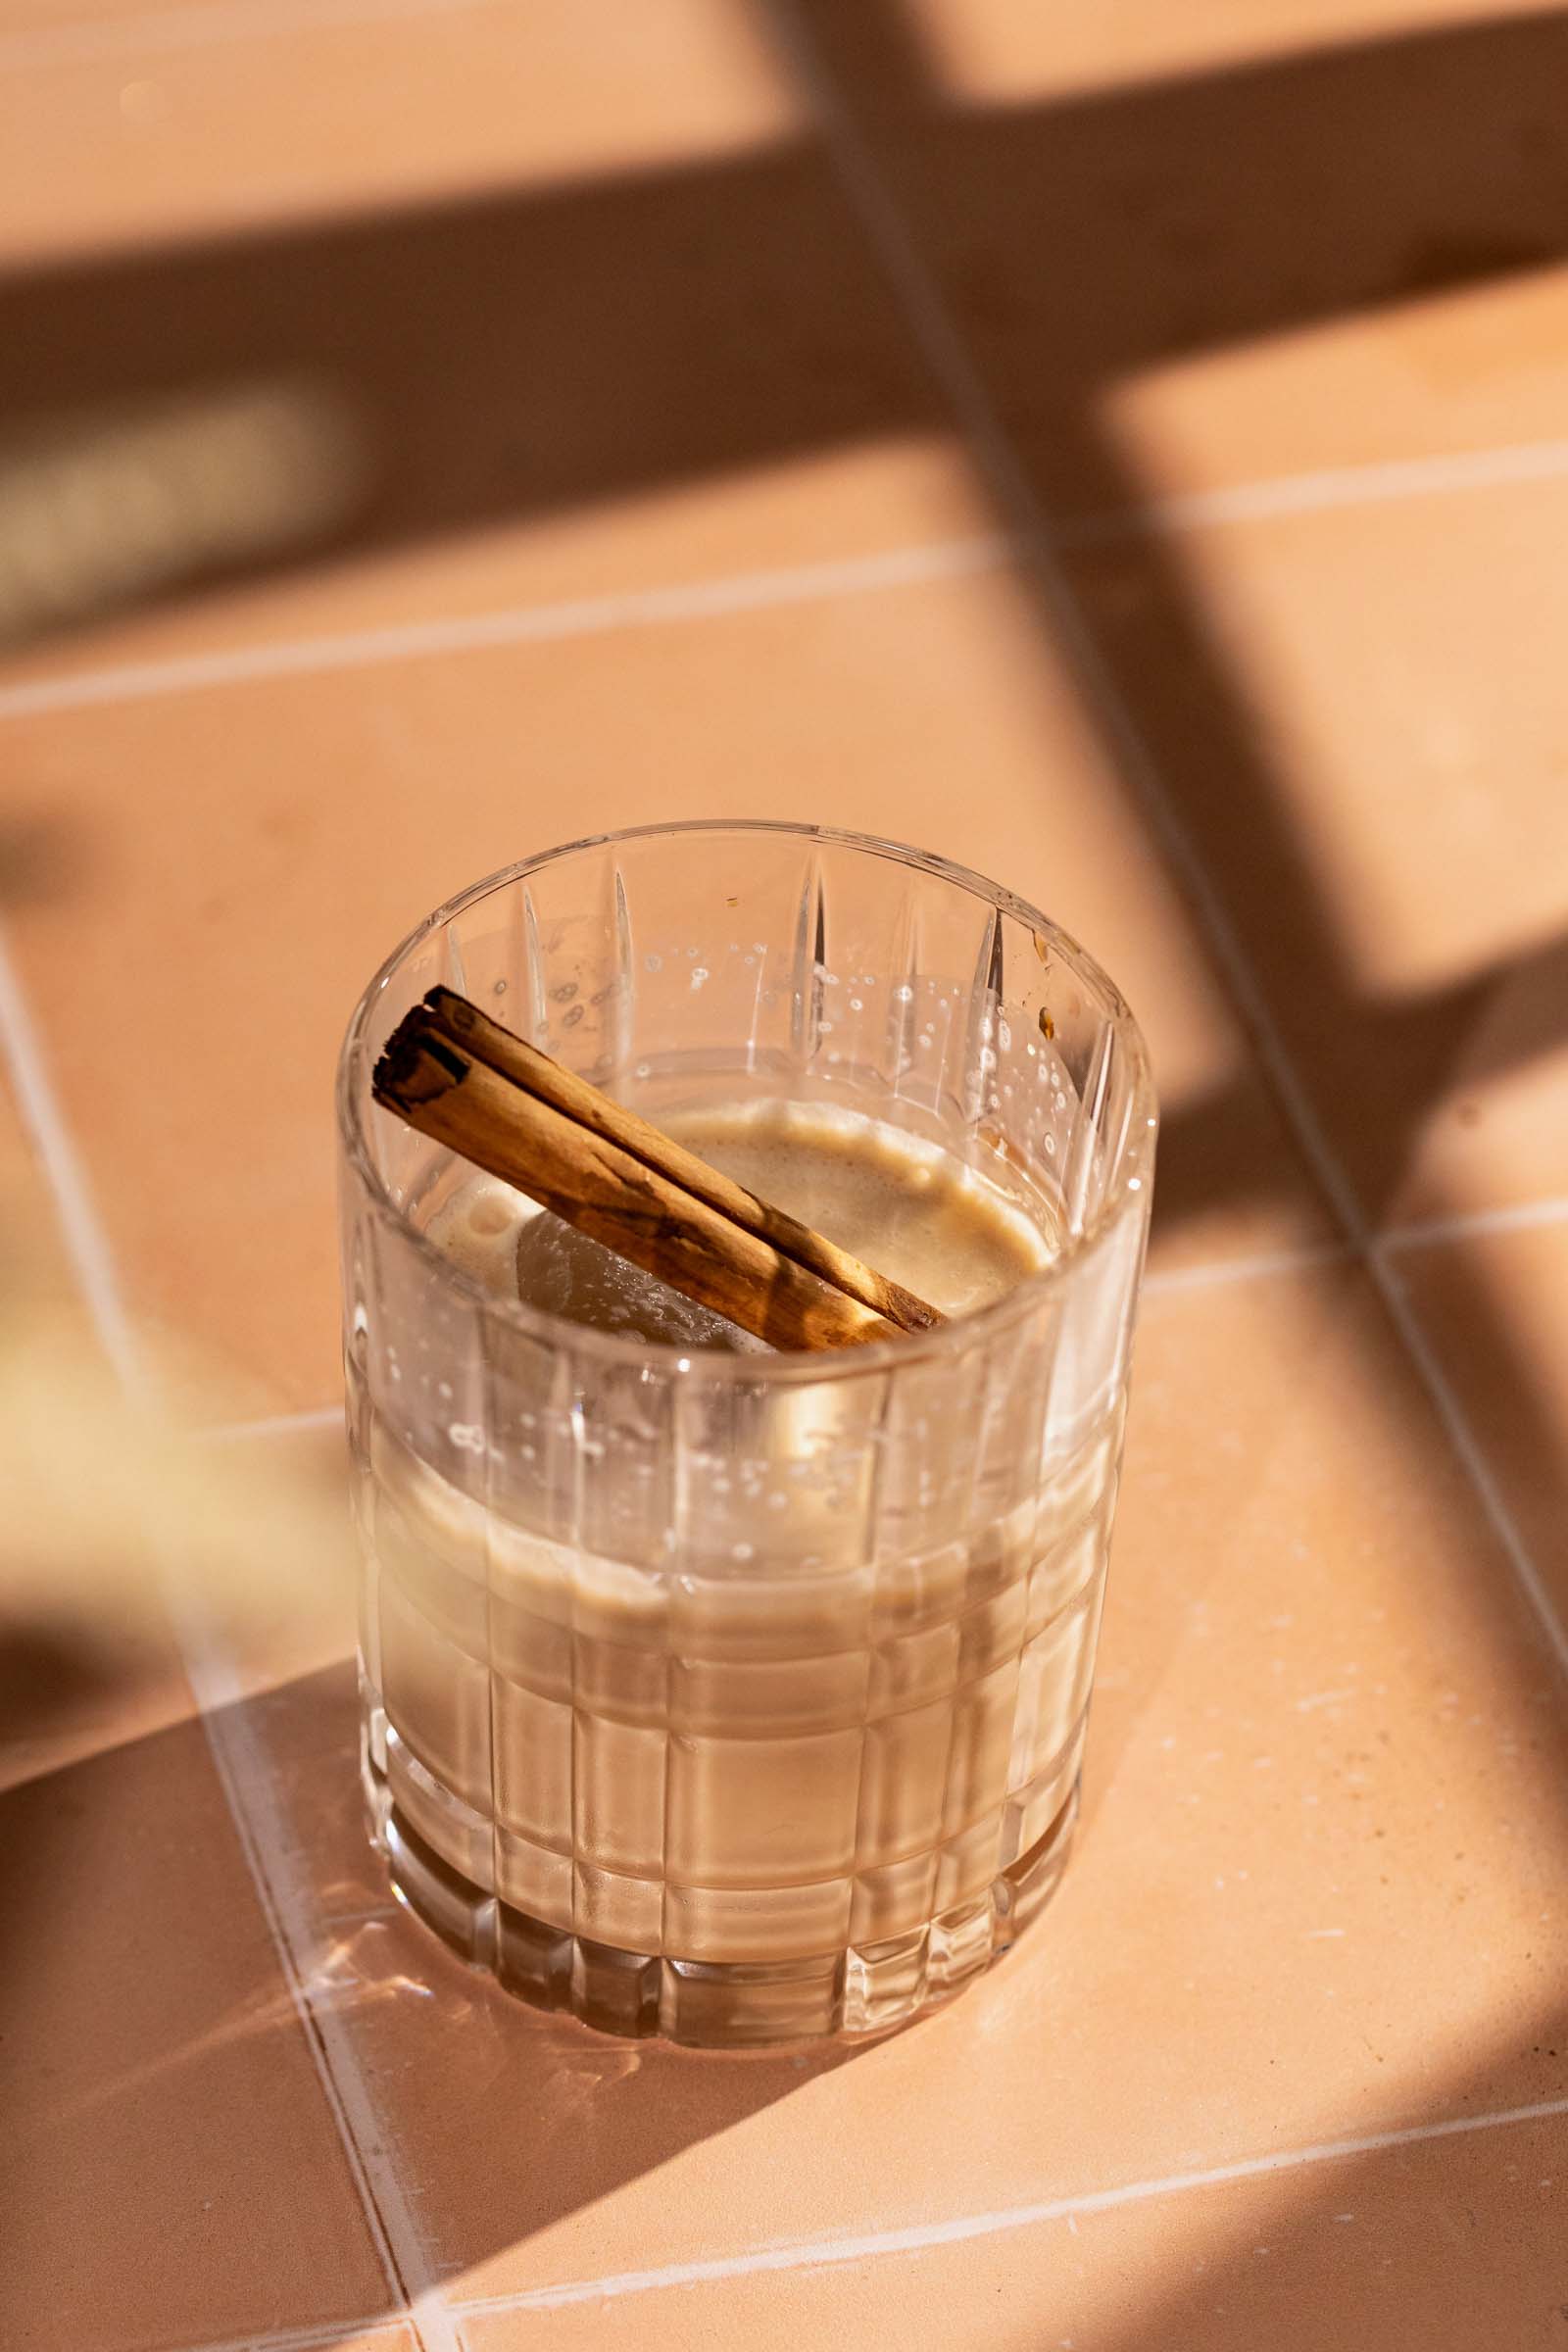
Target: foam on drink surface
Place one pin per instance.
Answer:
(906, 1207)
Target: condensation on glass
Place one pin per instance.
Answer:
(743, 1697)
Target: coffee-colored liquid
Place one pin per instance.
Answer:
(776, 1739)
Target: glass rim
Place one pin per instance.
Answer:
(1124, 1197)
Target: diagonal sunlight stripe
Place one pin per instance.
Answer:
(922, 2238)
(948, 357)
(242, 1769)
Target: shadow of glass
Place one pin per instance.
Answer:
(141, 1981)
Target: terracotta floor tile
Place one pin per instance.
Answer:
(985, 51)
(1326, 1837)
(1495, 1308)
(1196, 247)
(934, 711)
(1360, 717)
(1431, 2248)
(523, 563)
(239, 114)
(558, 379)
(173, 2172)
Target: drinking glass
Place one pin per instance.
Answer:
(742, 1697)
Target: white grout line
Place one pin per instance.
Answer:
(202, 26)
(1379, 482)
(1522, 1216)
(1260, 1268)
(924, 2237)
(763, 590)
(951, 367)
(523, 624)
(364, 2335)
(273, 1425)
(243, 1772)
(1467, 1446)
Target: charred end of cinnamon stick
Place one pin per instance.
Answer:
(453, 1014)
(416, 1066)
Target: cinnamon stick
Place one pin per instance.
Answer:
(460, 1078)
(552, 1082)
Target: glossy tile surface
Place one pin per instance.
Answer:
(1121, 449)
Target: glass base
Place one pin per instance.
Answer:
(857, 1992)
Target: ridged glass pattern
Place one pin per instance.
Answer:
(741, 1699)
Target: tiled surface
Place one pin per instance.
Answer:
(986, 52)
(527, 365)
(608, 308)
(1510, 1365)
(215, 116)
(1249, 261)
(173, 2172)
(1456, 2241)
(884, 706)
(1397, 879)
(71, 1684)
(1313, 1670)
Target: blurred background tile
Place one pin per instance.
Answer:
(617, 331)
(212, 117)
